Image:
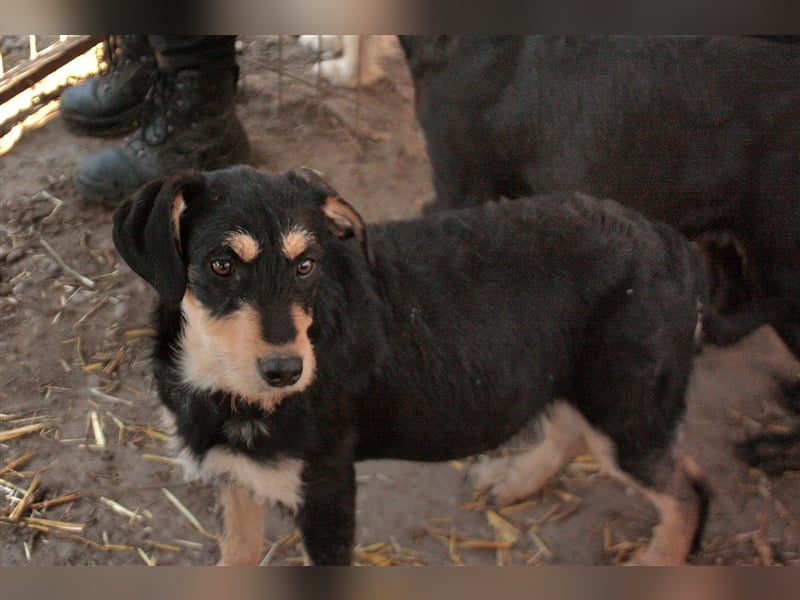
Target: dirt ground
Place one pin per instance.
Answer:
(87, 478)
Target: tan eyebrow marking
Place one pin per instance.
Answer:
(295, 242)
(244, 245)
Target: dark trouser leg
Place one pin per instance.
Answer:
(110, 103)
(179, 52)
(188, 121)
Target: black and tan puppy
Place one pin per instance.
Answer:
(293, 341)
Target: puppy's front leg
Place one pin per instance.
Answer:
(327, 517)
(242, 543)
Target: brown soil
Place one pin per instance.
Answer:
(75, 361)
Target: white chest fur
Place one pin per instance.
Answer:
(277, 482)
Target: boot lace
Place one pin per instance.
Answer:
(157, 109)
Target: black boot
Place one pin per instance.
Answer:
(188, 122)
(109, 104)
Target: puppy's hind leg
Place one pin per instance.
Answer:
(681, 505)
(678, 492)
(514, 478)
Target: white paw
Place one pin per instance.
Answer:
(331, 44)
(342, 72)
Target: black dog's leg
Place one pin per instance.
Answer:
(327, 517)
(775, 453)
(782, 313)
(791, 395)
(787, 326)
(772, 453)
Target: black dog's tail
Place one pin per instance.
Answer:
(729, 313)
(737, 302)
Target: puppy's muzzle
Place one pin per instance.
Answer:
(281, 371)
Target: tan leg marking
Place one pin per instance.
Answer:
(678, 505)
(242, 542)
(522, 475)
(679, 517)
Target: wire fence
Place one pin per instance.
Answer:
(35, 69)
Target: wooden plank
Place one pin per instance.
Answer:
(21, 78)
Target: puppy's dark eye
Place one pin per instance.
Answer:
(304, 267)
(222, 267)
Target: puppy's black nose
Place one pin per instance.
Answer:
(281, 372)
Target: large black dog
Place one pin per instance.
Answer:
(293, 340)
(700, 132)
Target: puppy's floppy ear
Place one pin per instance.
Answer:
(342, 219)
(147, 233)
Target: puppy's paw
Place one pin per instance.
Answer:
(499, 480)
(240, 558)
